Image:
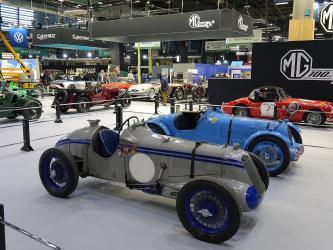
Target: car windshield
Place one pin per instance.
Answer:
(252, 96)
(283, 94)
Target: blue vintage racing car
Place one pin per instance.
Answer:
(275, 142)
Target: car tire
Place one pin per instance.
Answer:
(84, 107)
(151, 93)
(297, 138)
(64, 109)
(315, 118)
(241, 111)
(215, 199)
(32, 111)
(61, 97)
(58, 172)
(262, 147)
(261, 167)
(71, 86)
(126, 102)
(179, 94)
(156, 129)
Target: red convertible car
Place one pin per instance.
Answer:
(274, 103)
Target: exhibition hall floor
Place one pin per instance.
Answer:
(297, 212)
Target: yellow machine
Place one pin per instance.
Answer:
(21, 75)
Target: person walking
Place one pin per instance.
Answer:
(164, 88)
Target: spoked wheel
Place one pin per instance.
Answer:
(241, 111)
(179, 94)
(315, 118)
(126, 100)
(273, 152)
(33, 110)
(151, 93)
(58, 172)
(84, 105)
(209, 210)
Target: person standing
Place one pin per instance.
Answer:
(164, 88)
(101, 76)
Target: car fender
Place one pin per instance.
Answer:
(294, 127)
(265, 133)
(161, 125)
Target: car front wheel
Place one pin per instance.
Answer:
(273, 152)
(241, 111)
(58, 172)
(315, 118)
(84, 105)
(209, 210)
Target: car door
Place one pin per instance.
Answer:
(266, 104)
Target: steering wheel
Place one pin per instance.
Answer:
(128, 123)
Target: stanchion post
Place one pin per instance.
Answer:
(119, 116)
(191, 105)
(185, 106)
(2, 229)
(178, 108)
(172, 105)
(26, 136)
(58, 114)
(116, 105)
(157, 99)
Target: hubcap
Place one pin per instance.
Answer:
(270, 153)
(241, 112)
(314, 118)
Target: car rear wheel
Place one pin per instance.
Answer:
(315, 118)
(151, 93)
(209, 210)
(126, 100)
(241, 111)
(32, 111)
(179, 94)
(72, 86)
(58, 172)
(84, 104)
(273, 152)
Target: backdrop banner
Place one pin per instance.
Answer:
(303, 68)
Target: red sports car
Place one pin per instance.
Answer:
(275, 103)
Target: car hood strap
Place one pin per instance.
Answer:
(197, 144)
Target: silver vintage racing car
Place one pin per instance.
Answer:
(212, 184)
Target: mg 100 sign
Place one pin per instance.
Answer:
(326, 17)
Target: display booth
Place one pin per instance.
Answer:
(304, 69)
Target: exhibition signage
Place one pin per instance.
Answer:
(18, 37)
(219, 45)
(326, 17)
(148, 45)
(297, 65)
(66, 38)
(200, 25)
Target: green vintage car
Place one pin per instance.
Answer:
(13, 105)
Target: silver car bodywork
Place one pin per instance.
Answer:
(160, 164)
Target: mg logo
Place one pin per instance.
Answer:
(326, 17)
(18, 37)
(194, 22)
(296, 64)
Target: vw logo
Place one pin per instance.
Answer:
(18, 37)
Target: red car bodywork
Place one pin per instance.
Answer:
(282, 107)
(117, 85)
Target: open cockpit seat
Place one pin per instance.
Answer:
(187, 120)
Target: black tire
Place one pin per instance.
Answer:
(241, 110)
(223, 197)
(151, 93)
(127, 100)
(51, 176)
(283, 148)
(64, 109)
(156, 129)
(297, 138)
(261, 167)
(61, 97)
(320, 118)
(72, 86)
(179, 94)
(84, 107)
(33, 110)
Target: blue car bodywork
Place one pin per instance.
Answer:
(213, 126)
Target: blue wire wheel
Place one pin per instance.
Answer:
(208, 210)
(58, 172)
(273, 152)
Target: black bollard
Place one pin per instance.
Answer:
(185, 106)
(26, 136)
(2, 229)
(191, 105)
(119, 117)
(58, 114)
(172, 105)
(116, 102)
(157, 104)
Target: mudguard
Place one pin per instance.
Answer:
(294, 127)
(266, 133)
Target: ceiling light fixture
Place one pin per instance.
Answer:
(282, 3)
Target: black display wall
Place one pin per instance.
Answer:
(298, 60)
